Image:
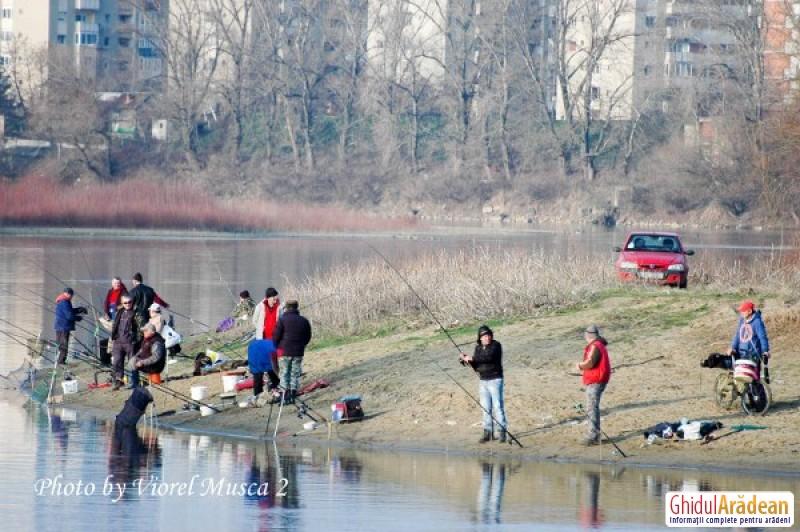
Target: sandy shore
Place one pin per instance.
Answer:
(412, 405)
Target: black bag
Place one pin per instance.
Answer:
(353, 410)
(104, 355)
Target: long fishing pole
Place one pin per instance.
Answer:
(430, 312)
(57, 278)
(579, 408)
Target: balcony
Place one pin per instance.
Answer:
(127, 27)
(87, 5)
(87, 27)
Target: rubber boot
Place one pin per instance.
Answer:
(487, 436)
(290, 395)
(501, 436)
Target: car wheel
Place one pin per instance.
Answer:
(683, 284)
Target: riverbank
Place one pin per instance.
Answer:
(657, 339)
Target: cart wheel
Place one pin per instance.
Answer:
(756, 399)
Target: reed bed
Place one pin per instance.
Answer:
(467, 287)
(149, 204)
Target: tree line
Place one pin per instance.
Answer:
(455, 101)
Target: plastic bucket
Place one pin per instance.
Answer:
(745, 371)
(229, 383)
(69, 387)
(155, 378)
(199, 392)
(206, 411)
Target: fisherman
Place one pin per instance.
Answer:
(125, 335)
(265, 317)
(259, 360)
(245, 308)
(156, 319)
(596, 368)
(66, 318)
(113, 297)
(151, 357)
(750, 339)
(292, 335)
(143, 296)
(487, 361)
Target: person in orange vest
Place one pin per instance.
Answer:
(596, 368)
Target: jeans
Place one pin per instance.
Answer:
(491, 393)
(593, 394)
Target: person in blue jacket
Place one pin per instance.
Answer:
(66, 317)
(260, 354)
(750, 340)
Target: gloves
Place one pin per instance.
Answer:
(78, 318)
(81, 310)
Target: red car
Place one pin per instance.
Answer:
(656, 257)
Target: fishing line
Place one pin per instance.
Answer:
(430, 312)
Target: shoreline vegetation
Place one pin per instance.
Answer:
(373, 339)
(37, 201)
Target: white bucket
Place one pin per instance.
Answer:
(309, 425)
(206, 411)
(70, 386)
(199, 392)
(229, 383)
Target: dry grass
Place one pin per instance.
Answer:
(479, 285)
(41, 201)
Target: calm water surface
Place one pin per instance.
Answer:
(324, 489)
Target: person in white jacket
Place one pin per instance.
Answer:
(265, 318)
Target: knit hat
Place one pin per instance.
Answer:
(69, 291)
(483, 331)
(271, 292)
(244, 294)
(137, 277)
(592, 329)
(292, 304)
(155, 307)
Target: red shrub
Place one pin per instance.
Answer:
(146, 204)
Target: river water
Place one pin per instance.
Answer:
(330, 489)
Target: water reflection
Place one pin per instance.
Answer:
(590, 515)
(490, 493)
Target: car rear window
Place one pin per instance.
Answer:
(653, 243)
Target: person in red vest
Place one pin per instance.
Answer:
(596, 368)
(113, 298)
(265, 318)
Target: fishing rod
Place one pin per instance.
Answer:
(579, 408)
(63, 283)
(44, 307)
(430, 312)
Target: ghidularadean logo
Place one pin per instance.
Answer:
(693, 509)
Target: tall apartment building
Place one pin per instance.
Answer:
(105, 42)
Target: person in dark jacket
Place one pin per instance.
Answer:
(66, 318)
(143, 296)
(487, 361)
(151, 357)
(292, 334)
(126, 337)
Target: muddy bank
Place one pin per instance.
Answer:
(412, 405)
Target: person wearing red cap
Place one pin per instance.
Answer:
(750, 340)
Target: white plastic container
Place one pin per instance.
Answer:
(229, 383)
(199, 392)
(70, 387)
(309, 425)
(206, 411)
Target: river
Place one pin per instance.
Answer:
(336, 489)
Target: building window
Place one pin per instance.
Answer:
(595, 93)
(80, 17)
(124, 42)
(61, 39)
(86, 39)
(8, 12)
(105, 41)
(6, 36)
(671, 22)
(647, 69)
(5, 60)
(683, 69)
(650, 22)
